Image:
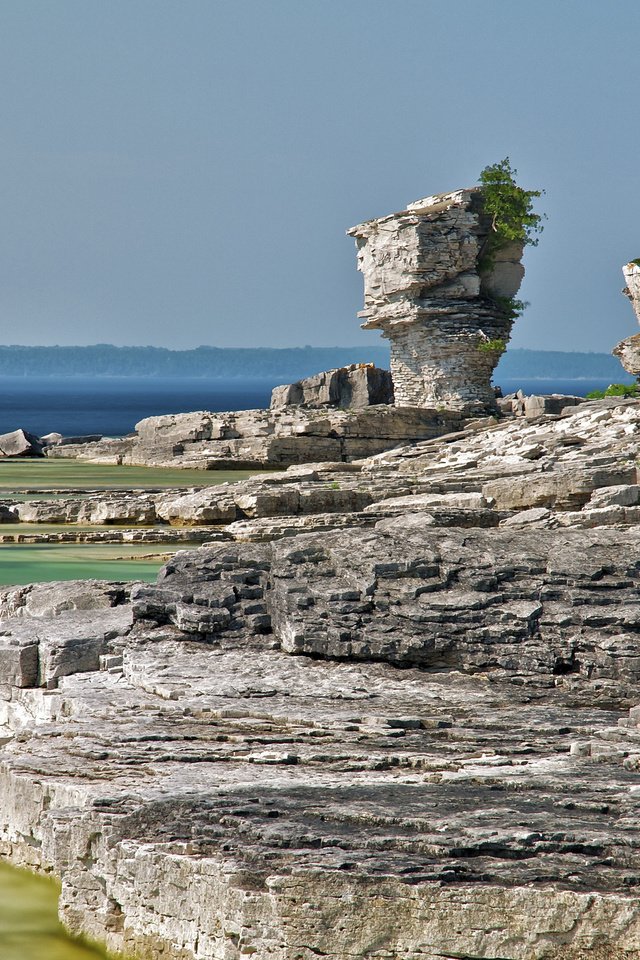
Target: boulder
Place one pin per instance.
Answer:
(354, 387)
(20, 443)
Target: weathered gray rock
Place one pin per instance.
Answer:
(628, 350)
(628, 353)
(46, 600)
(73, 642)
(354, 387)
(519, 405)
(57, 439)
(20, 443)
(202, 793)
(426, 290)
(109, 450)
(209, 505)
(631, 273)
(263, 438)
(244, 802)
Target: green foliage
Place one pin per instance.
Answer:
(510, 207)
(636, 261)
(493, 346)
(511, 210)
(512, 307)
(616, 390)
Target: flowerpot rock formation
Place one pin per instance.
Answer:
(433, 292)
(628, 350)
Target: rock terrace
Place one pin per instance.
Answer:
(391, 710)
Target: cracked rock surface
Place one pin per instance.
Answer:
(412, 735)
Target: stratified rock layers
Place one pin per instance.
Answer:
(447, 322)
(355, 387)
(628, 350)
(412, 738)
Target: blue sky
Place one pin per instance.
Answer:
(183, 173)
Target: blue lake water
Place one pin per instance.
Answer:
(113, 405)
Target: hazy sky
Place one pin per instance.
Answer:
(182, 172)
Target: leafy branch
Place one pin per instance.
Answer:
(510, 207)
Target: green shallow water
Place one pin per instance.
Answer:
(40, 562)
(25, 474)
(29, 925)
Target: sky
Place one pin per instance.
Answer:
(182, 172)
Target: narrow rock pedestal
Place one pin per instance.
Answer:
(628, 350)
(432, 291)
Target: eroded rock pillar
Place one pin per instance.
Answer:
(628, 350)
(433, 292)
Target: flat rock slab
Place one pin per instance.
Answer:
(240, 800)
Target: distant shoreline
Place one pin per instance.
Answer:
(284, 365)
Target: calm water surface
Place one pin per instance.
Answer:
(44, 474)
(40, 562)
(29, 925)
(113, 405)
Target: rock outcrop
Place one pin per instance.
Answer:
(412, 735)
(265, 438)
(354, 387)
(444, 309)
(628, 350)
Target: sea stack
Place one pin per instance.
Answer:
(628, 350)
(440, 296)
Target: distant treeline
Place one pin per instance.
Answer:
(281, 365)
(105, 360)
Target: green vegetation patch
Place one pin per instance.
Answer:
(615, 390)
(496, 346)
(510, 207)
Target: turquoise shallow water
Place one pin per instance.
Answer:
(39, 562)
(29, 925)
(30, 563)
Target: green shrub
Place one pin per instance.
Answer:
(493, 346)
(509, 206)
(616, 390)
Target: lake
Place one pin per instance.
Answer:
(113, 405)
(29, 925)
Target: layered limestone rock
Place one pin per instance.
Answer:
(264, 438)
(412, 735)
(631, 273)
(354, 387)
(425, 288)
(628, 350)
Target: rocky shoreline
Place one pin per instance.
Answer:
(390, 707)
(414, 734)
